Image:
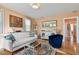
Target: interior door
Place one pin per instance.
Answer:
(70, 33)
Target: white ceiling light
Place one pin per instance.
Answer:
(35, 5)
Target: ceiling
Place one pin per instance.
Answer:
(46, 9)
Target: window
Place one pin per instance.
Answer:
(27, 25)
(1, 22)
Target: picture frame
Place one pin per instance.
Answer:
(15, 21)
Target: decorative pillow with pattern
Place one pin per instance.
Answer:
(9, 37)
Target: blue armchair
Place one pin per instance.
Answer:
(56, 40)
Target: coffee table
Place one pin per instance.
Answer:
(31, 48)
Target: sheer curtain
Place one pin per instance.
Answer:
(1, 22)
(1, 29)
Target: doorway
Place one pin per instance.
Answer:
(70, 33)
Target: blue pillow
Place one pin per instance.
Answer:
(31, 34)
(9, 37)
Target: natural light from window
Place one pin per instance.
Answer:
(27, 25)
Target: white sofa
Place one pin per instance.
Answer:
(21, 39)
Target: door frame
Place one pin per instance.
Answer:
(76, 27)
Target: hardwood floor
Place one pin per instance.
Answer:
(62, 51)
(5, 52)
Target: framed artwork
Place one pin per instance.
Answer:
(49, 24)
(15, 21)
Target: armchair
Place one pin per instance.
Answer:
(56, 40)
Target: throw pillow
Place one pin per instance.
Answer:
(31, 34)
(9, 37)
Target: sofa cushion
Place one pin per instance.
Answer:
(20, 35)
(9, 37)
(23, 41)
(32, 34)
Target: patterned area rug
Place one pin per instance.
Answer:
(42, 50)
